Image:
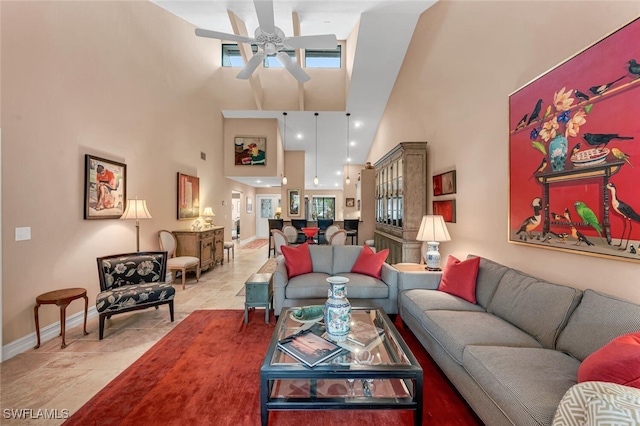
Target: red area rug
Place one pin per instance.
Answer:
(255, 244)
(206, 372)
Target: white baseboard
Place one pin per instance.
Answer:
(46, 333)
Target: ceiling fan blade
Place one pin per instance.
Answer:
(223, 36)
(251, 66)
(292, 67)
(327, 41)
(264, 10)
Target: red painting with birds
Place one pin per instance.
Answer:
(574, 152)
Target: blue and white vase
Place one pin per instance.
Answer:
(558, 153)
(337, 310)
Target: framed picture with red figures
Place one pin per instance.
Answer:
(574, 139)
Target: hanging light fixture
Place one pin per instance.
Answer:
(348, 181)
(315, 179)
(284, 147)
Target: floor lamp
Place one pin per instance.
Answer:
(136, 209)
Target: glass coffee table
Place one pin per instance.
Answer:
(392, 380)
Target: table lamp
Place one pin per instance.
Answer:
(432, 231)
(136, 209)
(209, 215)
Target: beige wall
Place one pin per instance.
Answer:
(464, 60)
(122, 80)
(236, 127)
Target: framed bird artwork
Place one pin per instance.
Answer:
(574, 152)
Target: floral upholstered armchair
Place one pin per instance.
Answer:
(132, 281)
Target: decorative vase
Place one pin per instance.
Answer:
(337, 310)
(558, 153)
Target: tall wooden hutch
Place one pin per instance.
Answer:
(401, 201)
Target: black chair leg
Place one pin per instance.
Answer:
(101, 328)
(171, 310)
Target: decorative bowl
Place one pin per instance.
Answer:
(589, 157)
(307, 314)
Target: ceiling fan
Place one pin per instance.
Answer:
(272, 41)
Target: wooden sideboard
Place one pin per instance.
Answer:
(206, 244)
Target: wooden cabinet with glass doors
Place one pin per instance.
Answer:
(401, 200)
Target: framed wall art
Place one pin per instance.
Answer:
(350, 202)
(446, 209)
(573, 137)
(294, 202)
(188, 197)
(249, 205)
(250, 151)
(445, 183)
(105, 188)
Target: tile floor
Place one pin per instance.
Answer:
(64, 379)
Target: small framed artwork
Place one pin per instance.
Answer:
(188, 197)
(294, 202)
(445, 183)
(351, 202)
(105, 188)
(250, 151)
(446, 209)
(249, 205)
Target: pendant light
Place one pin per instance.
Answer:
(284, 148)
(315, 179)
(348, 181)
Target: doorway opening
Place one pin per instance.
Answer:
(235, 215)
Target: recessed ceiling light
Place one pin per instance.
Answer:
(353, 143)
(349, 160)
(336, 184)
(258, 181)
(299, 136)
(338, 172)
(358, 124)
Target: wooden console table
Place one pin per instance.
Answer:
(205, 244)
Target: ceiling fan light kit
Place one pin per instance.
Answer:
(272, 41)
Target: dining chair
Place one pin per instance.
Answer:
(291, 233)
(330, 231)
(168, 243)
(274, 224)
(299, 224)
(279, 240)
(338, 238)
(323, 224)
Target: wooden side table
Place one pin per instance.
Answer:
(61, 298)
(258, 293)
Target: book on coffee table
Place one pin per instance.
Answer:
(309, 348)
(364, 334)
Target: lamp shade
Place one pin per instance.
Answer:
(279, 210)
(208, 211)
(433, 228)
(136, 209)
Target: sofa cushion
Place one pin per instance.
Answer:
(420, 300)
(297, 259)
(537, 307)
(617, 362)
(344, 257)
(365, 287)
(459, 278)
(313, 285)
(489, 275)
(370, 263)
(456, 329)
(131, 295)
(526, 383)
(598, 319)
(322, 258)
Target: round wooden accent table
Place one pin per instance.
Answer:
(61, 298)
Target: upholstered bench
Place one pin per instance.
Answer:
(132, 281)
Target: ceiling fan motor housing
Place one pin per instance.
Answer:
(270, 43)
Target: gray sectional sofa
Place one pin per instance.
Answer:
(514, 354)
(311, 289)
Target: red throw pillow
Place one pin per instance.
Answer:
(297, 259)
(459, 278)
(617, 362)
(370, 263)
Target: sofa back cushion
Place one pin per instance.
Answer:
(321, 258)
(598, 319)
(344, 257)
(537, 307)
(489, 275)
